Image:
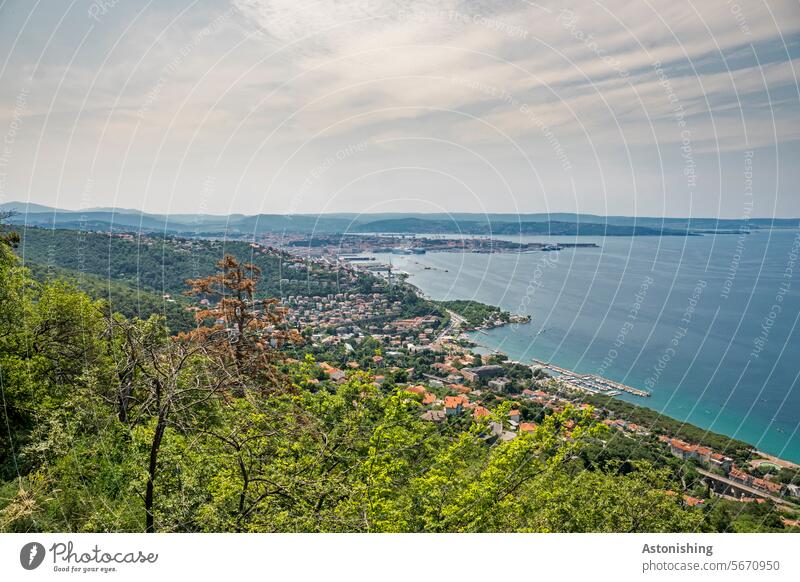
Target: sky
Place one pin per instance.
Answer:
(651, 108)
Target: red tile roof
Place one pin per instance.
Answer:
(454, 401)
(740, 475)
(480, 412)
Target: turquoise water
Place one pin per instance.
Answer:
(708, 324)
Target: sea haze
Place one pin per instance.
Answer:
(708, 324)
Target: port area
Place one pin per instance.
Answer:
(589, 382)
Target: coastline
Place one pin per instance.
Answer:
(758, 456)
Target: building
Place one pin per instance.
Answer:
(433, 415)
(739, 476)
(793, 490)
(453, 405)
(481, 372)
(721, 461)
(686, 451)
(500, 384)
(690, 501)
(480, 412)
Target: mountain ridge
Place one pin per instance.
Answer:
(555, 223)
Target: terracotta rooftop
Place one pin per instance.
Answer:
(480, 412)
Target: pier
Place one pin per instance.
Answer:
(590, 382)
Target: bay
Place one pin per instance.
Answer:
(707, 324)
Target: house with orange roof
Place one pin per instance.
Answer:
(740, 476)
(333, 373)
(693, 501)
(427, 397)
(514, 415)
(682, 450)
(703, 453)
(480, 412)
(527, 427)
(454, 404)
(767, 485)
(446, 368)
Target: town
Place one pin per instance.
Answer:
(354, 246)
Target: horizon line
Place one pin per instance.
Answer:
(398, 212)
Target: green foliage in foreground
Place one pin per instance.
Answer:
(124, 298)
(350, 461)
(88, 397)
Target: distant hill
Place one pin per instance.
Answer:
(550, 228)
(126, 220)
(147, 274)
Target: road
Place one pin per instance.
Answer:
(456, 322)
(752, 490)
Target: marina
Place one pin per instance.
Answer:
(589, 382)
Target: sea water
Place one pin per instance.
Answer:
(707, 324)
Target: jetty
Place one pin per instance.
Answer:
(589, 382)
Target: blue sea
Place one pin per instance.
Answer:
(707, 324)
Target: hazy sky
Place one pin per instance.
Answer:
(648, 108)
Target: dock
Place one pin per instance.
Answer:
(590, 382)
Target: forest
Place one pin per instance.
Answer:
(474, 312)
(134, 273)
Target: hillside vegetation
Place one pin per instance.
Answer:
(144, 275)
(475, 312)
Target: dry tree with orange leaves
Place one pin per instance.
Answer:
(244, 331)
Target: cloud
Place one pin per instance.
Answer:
(180, 89)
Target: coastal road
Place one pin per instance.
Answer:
(746, 488)
(456, 322)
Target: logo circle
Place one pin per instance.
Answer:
(31, 555)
